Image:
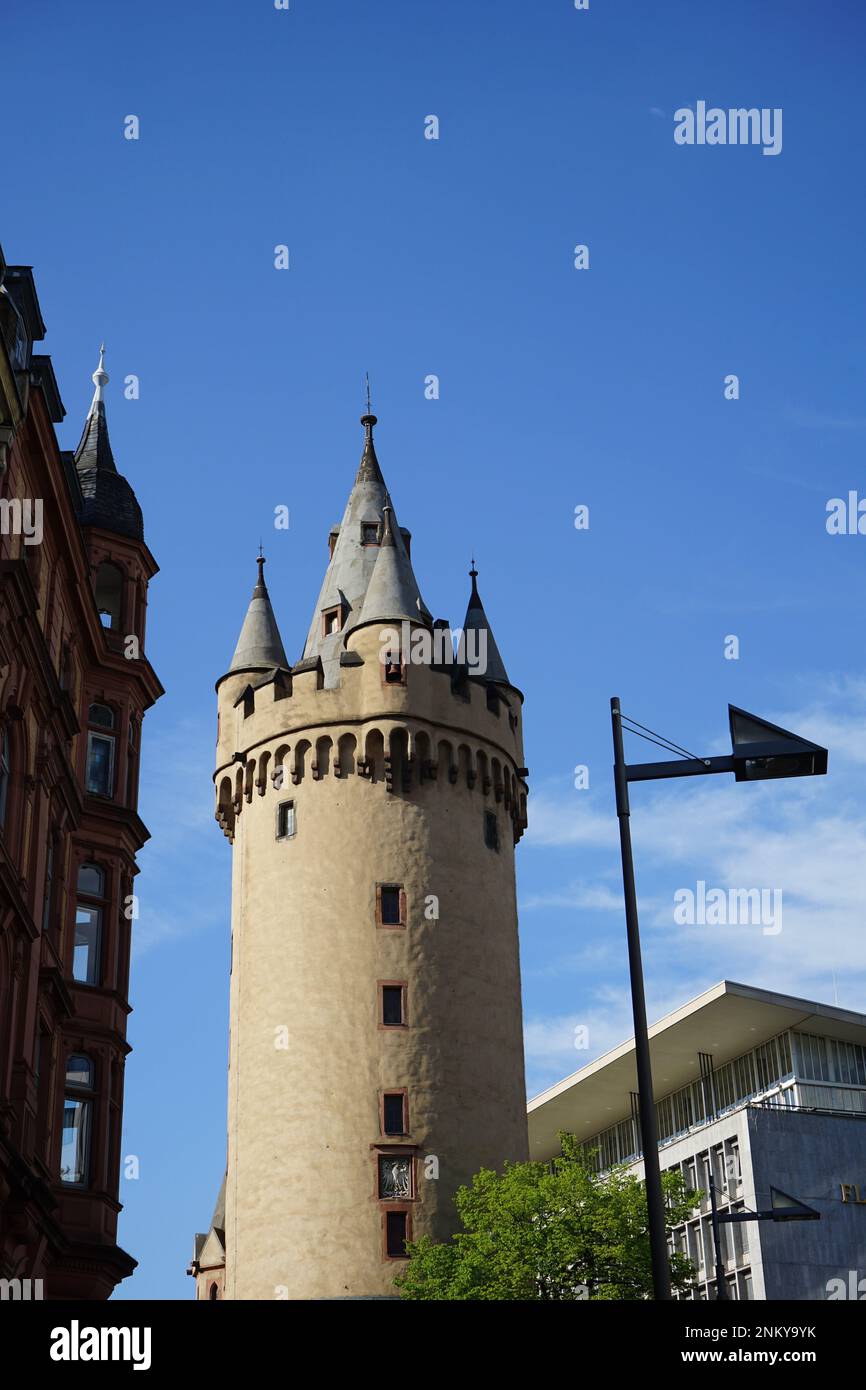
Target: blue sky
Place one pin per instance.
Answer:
(558, 387)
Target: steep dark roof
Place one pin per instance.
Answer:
(109, 501)
(476, 621)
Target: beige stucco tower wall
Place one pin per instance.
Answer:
(414, 782)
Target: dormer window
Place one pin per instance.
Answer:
(331, 621)
(369, 533)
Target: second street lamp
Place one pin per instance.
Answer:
(760, 751)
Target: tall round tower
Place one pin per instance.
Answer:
(373, 795)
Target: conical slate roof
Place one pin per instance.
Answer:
(109, 501)
(476, 622)
(260, 647)
(392, 594)
(354, 560)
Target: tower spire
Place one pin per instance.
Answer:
(476, 621)
(260, 647)
(368, 469)
(364, 535)
(109, 501)
(100, 378)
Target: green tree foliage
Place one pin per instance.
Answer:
(540, 1232)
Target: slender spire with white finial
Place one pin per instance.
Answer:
(99, 378)
(109, 501)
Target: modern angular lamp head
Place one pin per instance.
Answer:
(763, 750)
(787, 1208)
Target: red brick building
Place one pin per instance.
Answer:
(74, 687)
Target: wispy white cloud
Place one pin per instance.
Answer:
(824, 420)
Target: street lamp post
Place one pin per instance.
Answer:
(646, 1104)
(760, 751)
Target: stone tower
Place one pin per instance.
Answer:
(373, 794)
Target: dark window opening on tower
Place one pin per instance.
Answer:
(369, 533)
(393, 1006)
(330, 621)
(492, 700)
(394, 1112)
(285, 820)
(491, 830)
(391, 905)
(393, 668)
(396, 1234)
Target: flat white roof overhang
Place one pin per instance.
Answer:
(725, 1021)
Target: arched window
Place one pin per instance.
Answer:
(102, 715)
(89, 912)
(109, 595)
(5, 776)
(77, 1120)
(214, 1292)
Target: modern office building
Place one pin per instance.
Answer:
(764, 1090)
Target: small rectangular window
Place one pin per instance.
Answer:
(396, 1234)
(394, 1112)
(285, 820)
(491, 830)
(330, 621)
(391, 903)
(393, 1010)
(370, 533)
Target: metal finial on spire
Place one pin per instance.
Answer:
(368, 420)
(99, 378)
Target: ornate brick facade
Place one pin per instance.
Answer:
(74, 686)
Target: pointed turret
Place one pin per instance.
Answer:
(476, 622)
(392, 594)
(357, 546)
(260, 647)
(109, 501)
